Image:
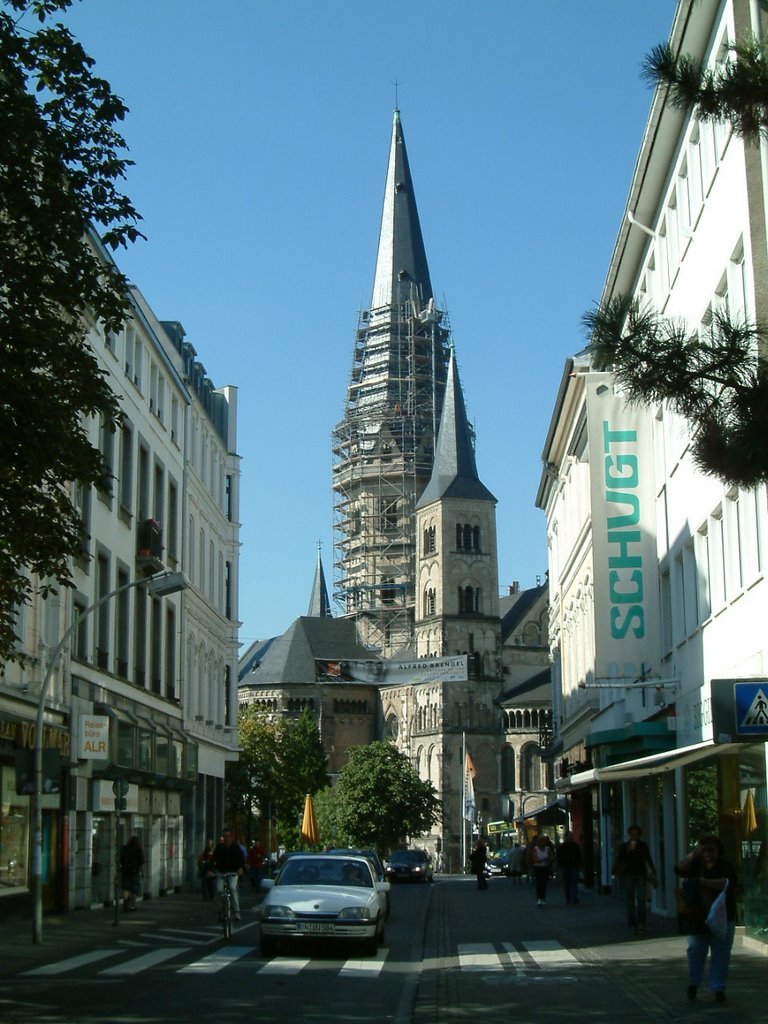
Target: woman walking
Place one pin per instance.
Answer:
(541, 865)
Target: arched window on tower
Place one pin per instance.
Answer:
(429, 602)
(508, 769)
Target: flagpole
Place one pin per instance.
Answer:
(462, 815)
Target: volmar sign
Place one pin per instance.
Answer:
(93, 737)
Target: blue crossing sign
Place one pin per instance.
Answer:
(740, 710)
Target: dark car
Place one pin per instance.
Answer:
(499, 863)
(409, 866)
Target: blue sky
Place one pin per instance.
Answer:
(260, 132)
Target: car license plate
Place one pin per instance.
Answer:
(315, 928)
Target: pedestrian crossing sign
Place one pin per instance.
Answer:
(740, 710)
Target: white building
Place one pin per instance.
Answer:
(158, 671)
(657, 572)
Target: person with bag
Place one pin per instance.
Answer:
(714, 920)
(542, 859)
(204, 867)
(634, 866)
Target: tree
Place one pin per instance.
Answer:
(379, 798)
(60, 161)
(714, 377)
(735, 90)
(280, 762)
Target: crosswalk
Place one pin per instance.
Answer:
(543, 955)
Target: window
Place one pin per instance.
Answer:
(469, 600)
(126, 466)
(156, 644)
(429, 602)
(172, 520)
(138, 366)
(170, 651)
(102, 614)
(430, 540)
(228, 590)
(389, 516)
(80, 637)
(122, 625)
(229, 496)
(703, 573)
(142, 498)
(158, 508)
(107, 449)
(140, 639)
(175, 421)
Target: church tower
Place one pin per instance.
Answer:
(457, 607)
(383, 447)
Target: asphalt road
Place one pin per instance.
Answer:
(451, 954)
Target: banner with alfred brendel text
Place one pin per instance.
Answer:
(623, 534)
(392, 673)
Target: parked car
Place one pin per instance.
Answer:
(322, 896)
(378, 870)
(409, 866)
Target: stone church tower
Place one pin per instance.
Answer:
(457, 611)
(383, 448)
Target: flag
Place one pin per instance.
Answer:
(469, 788)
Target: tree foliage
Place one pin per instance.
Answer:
(379, 799)
(60, 165)
(712, 377)
(735, 90)
(715, 378)
(280, 762)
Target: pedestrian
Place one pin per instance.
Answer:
(541, 865)
(477, 861)
(517, 864)
(255, 864)
(707, 864)
(228, 859)
(568, 856)
(634, 866)
(204, 867)
(131, 870)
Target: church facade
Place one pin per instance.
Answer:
(417, 575)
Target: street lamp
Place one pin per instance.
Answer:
(161, 584)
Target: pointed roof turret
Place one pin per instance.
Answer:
(401, 264)
(454, 474)
(319, 605)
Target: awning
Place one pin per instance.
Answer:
(549, 809)
(654, 764)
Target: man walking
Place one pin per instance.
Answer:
(634, 866)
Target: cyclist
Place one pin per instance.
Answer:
(228, 859)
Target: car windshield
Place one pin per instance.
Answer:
(325, 871)
(407, 857)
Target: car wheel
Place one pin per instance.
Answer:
(268, 945)
(371, 945)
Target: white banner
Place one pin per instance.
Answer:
(93, 737)
(626, 590)
(446, 670)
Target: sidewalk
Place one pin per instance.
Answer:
(80, 930)
(643, 977)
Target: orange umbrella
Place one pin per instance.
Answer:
(310, 833)
(748, 816)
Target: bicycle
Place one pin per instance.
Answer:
(226, 902)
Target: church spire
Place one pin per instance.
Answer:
(319, 605)
(401, 263)
(454, 474)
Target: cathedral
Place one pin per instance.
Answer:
(425, 651)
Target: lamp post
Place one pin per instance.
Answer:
(161, 584)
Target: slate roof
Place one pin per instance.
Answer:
(520, 609)
(401, 263)
(454, 473)
(536, 690)
(319, 605)
(291, 657)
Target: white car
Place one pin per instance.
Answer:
(328, 897)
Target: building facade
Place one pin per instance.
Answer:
(141, 701)
(657, 571)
